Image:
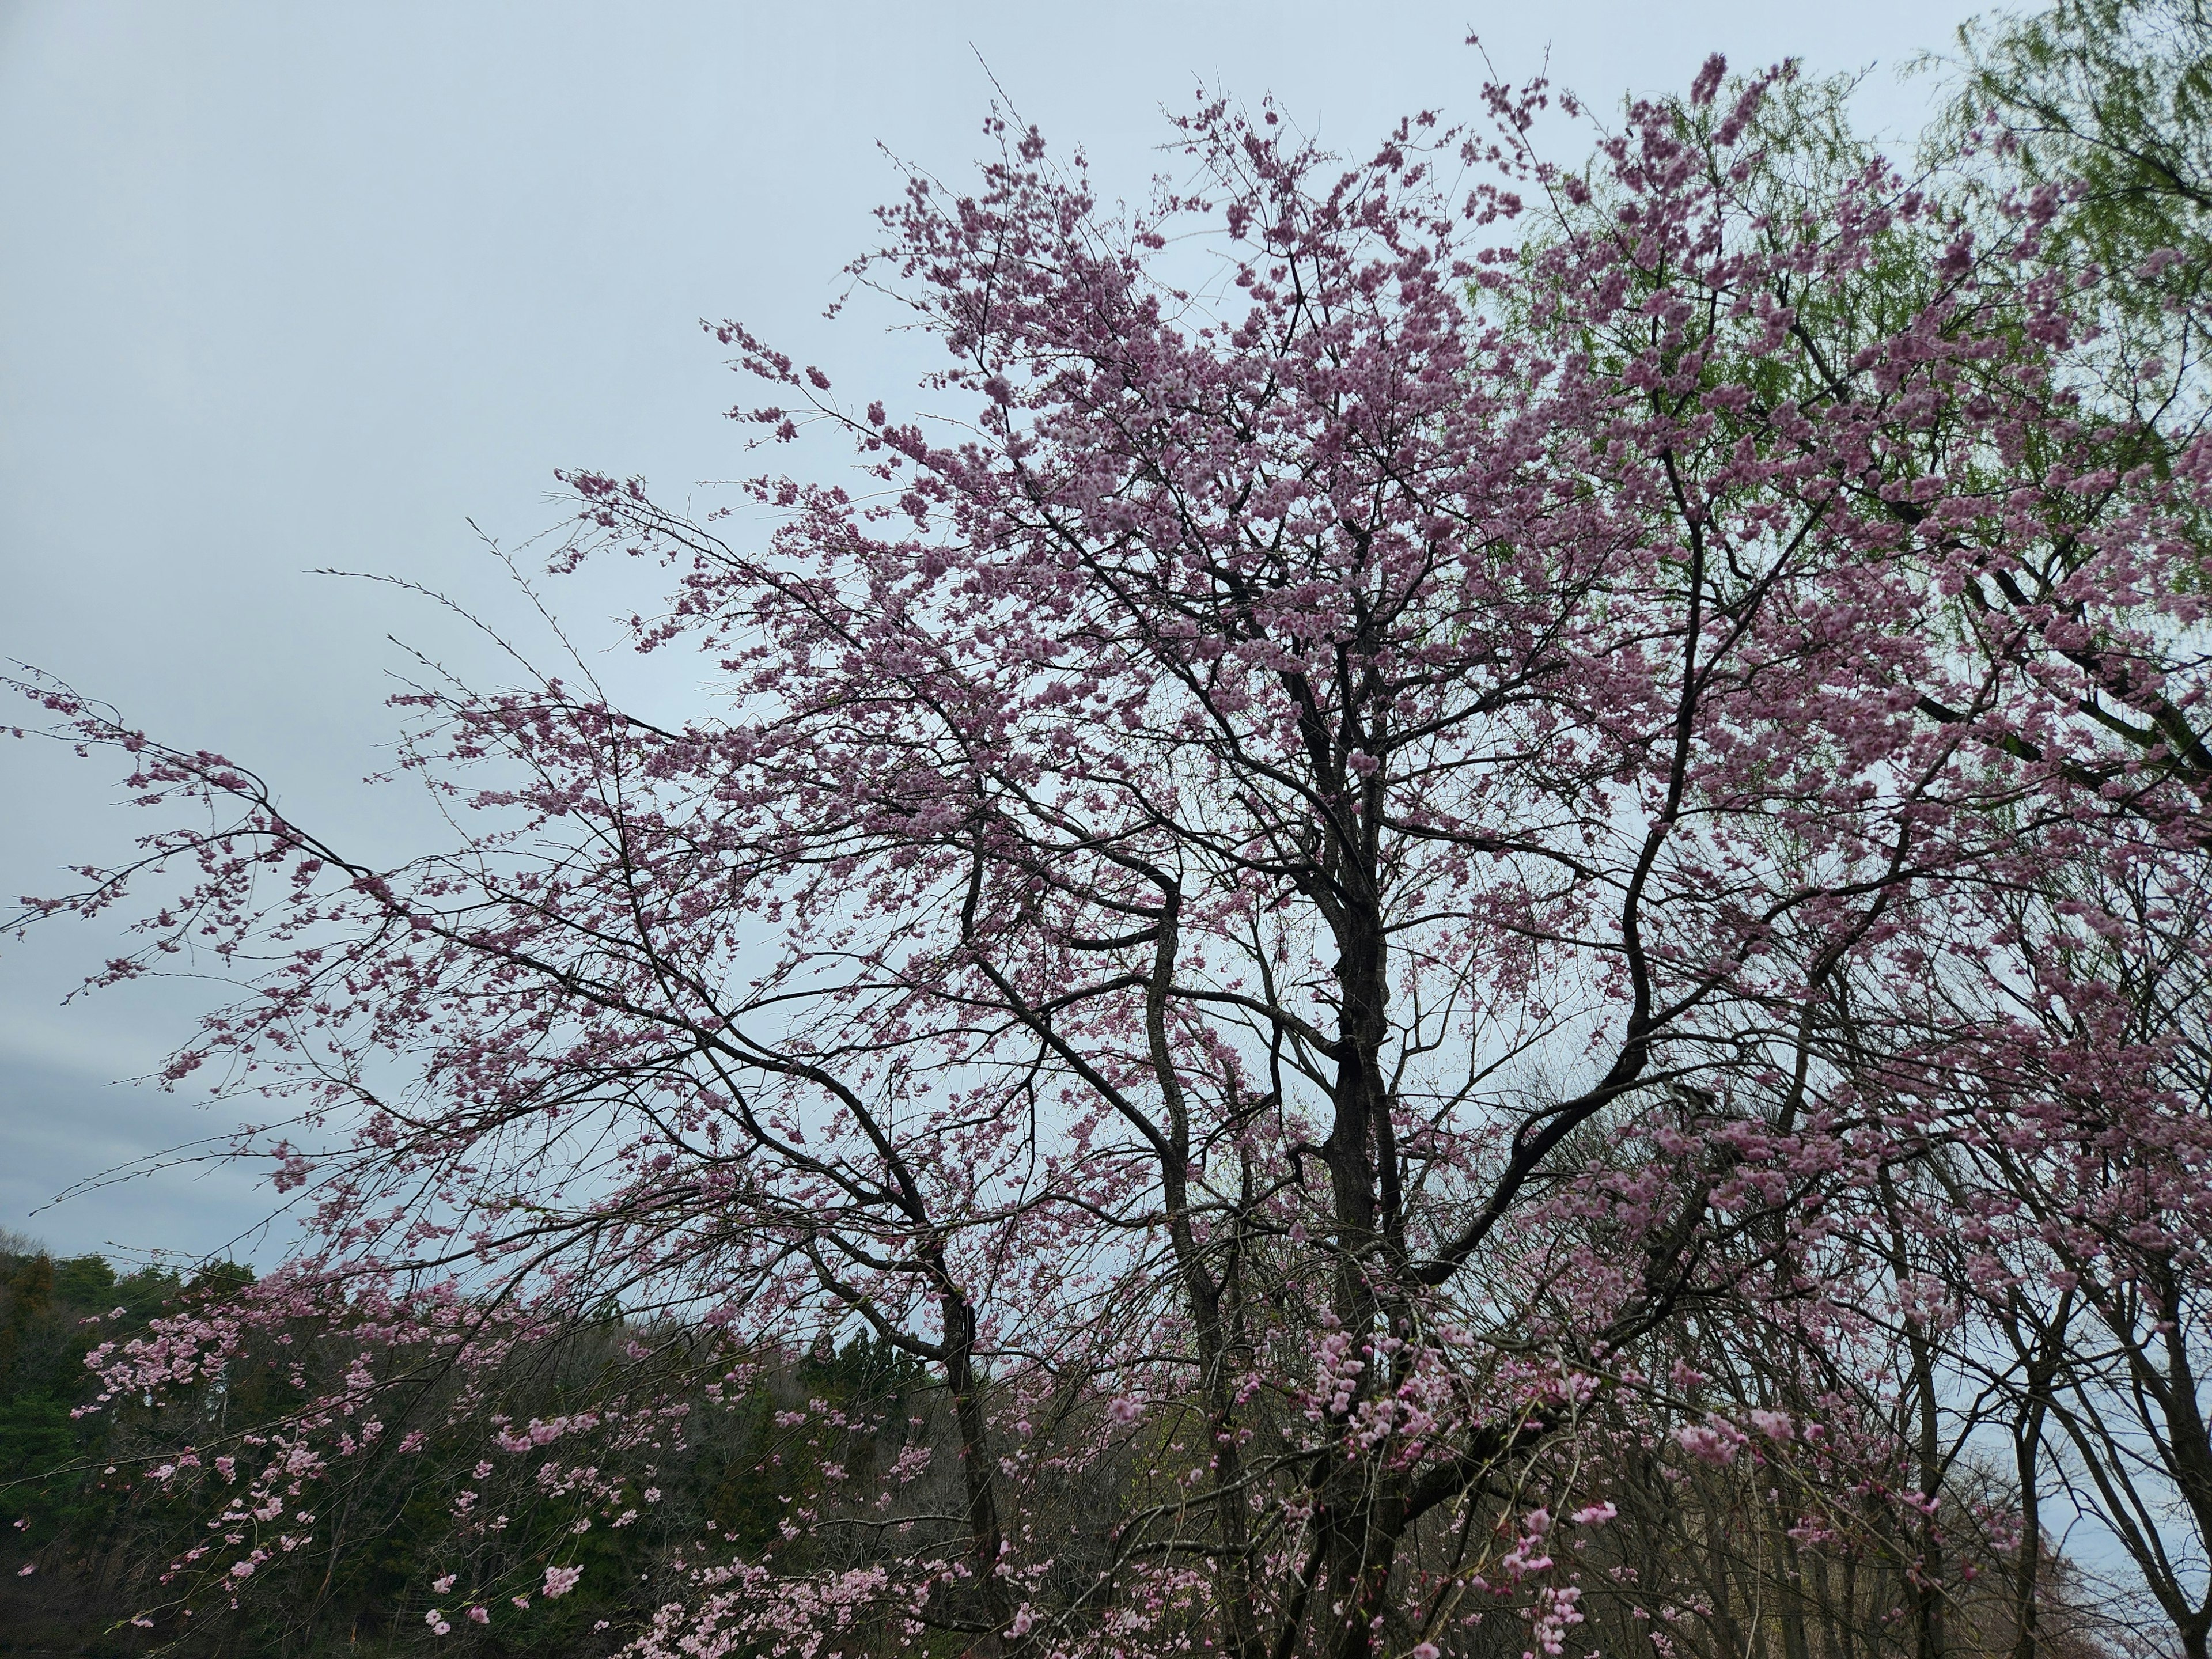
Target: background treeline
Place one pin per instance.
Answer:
(840, 1456)
(92, 1540)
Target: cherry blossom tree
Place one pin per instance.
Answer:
(1432, 773)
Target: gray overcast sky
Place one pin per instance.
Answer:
(287, 286)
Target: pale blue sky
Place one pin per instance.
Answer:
(285, 286)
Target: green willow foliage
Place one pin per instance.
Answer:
(2107, 104)
(2110, 101)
